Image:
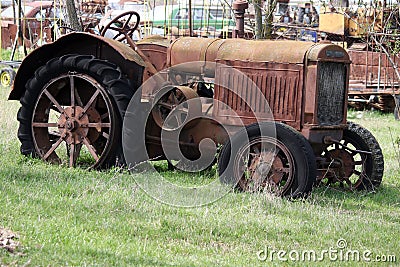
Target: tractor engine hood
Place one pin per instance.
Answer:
(208, 51)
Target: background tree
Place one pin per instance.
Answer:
(73, 16)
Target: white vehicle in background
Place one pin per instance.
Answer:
(142, 8)
(145, 24)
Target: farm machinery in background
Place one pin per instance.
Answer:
(8, 70)
(274, 110)
(369, 32)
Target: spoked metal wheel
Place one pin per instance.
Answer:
(172, 109)
(356, 162)
(265, 164)
(268, 157)
(350, 165)
(75, 110)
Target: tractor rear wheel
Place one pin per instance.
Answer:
(71, 112)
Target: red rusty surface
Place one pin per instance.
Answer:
(32, 28)
(279, 84)
(264, 51)
(365, 69)
(201, 50)
(155, 49)
(8, 32)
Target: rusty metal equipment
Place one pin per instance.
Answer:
(374, 81)
(76, 92)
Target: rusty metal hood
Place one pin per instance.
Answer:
(264, 50)
(155, 39)
(190, 49)
(328, 52)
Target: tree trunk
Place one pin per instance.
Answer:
(73, 16)
(259, 26)
(269, 17)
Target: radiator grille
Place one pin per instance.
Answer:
(262, 89)
(331, 93)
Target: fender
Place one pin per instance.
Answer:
(131, 64)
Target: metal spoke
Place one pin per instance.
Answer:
(166, 105)
(78, 98)
(115, 29)
(91, 100)
(127, 21)
(105, 135)
(105, 115)
(44, 124)
(99, 124)
(72, 155)
(178, 119)
(56, 144)
(53, 133)
(90, 148)
(75, 150)
(53, 100)
(119, 37)
(175, 99)
(72, 88)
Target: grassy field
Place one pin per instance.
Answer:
(5, 54)
(74, 217)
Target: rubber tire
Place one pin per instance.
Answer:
(363, 139)
(104, 72)
(10, 73)
(298, 146)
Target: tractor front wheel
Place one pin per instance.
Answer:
(270, 157)
(356, 161)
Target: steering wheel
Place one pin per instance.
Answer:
(121, 24)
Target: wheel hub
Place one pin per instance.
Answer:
(262, 163)
(72, 125)
(75, 123)
(346, 163)
(260, 172)
(5, 79)
(263, 168)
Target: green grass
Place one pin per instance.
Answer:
(74, 217)
(5, 54)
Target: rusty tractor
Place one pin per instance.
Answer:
(75, 93)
